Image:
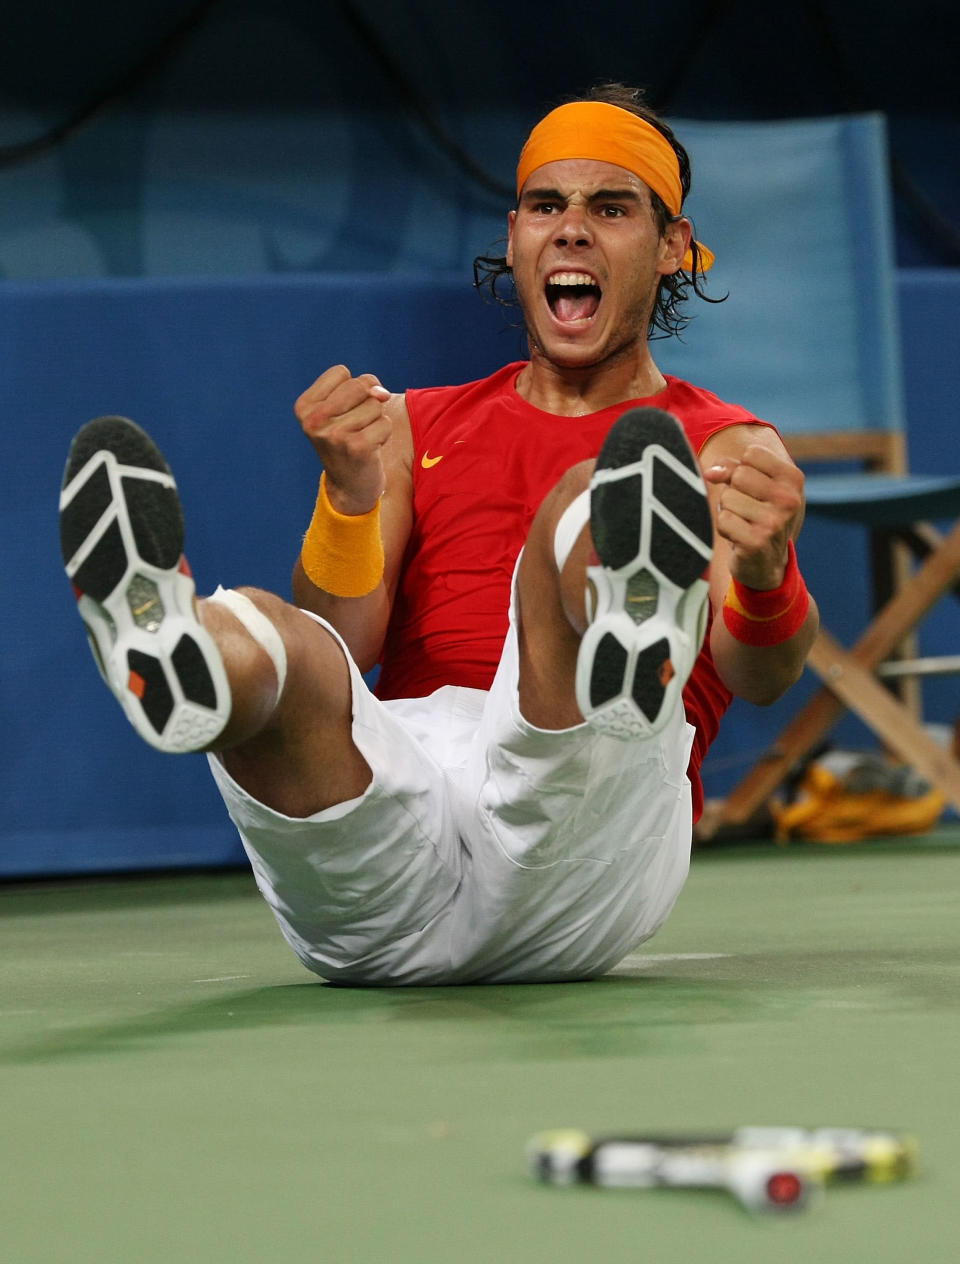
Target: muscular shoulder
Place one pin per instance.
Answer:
(733, 441)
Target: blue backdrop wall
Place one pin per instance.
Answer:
(204, 204)
(226, 136)
(212, 368)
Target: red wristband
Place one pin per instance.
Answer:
(768, 618)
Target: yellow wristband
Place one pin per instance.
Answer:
(342, 553)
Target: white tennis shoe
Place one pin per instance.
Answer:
(121, 536)
(647, 586)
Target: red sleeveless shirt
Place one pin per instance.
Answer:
(483, 460)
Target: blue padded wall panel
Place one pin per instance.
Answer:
(212, 370)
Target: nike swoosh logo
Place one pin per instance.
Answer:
(427, 461)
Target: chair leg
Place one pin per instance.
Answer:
(903, 612)
(922, 539)
(798, 739)
(889, 718)
(890, 564)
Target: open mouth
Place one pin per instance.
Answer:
(573, 297)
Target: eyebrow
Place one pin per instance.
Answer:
(601, 195)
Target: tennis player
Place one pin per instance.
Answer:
(566, 571)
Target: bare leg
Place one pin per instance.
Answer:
(552, 612)
(294, 753)
(192, 675)
(643, 556)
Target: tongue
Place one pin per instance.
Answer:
(576, 305)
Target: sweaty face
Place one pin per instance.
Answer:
(587, 256)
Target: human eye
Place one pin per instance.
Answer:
(542, 202)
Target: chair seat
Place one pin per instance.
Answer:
(883, 500)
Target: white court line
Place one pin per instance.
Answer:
(666, 958)
(223, 978)
(683, 956)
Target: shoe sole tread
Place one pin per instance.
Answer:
(121, 532)
(653, 533)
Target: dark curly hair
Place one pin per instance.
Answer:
(666, 319)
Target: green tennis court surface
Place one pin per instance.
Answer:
(175, 1087)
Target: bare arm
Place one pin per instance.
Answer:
(361, 434)
(756, 494)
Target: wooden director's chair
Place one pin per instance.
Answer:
(799, 215)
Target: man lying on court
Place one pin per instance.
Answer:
(562, 603)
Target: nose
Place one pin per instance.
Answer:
(573, 228)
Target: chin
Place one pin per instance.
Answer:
(576, 347)
(565, 356)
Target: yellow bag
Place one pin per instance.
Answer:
(845, 797)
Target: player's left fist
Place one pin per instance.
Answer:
(758, 508)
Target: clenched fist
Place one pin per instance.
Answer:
(345, 419)
(758, 509)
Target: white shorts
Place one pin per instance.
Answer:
(484, 849)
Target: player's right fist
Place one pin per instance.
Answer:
(345, 419)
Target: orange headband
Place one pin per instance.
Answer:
(606, 133)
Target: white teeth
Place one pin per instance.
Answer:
(570, 278)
